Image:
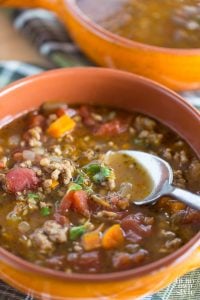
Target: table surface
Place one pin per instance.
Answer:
(13, 46)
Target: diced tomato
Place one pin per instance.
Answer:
(2, 165)
(85, 113)
(123, 260)
(76, 200)
(60, 112)
(66, 202)
(172, 206)
(136, 223)
(85, 261)
(114, 127)
(62, 220)
(80, 203)
(68, 111)
(56, 261)
(36, 121)
(18, 156)
(20, 179)
(191, 216)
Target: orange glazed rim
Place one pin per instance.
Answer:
(119, 40)
(177, 256)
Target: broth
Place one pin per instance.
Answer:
(168, 23)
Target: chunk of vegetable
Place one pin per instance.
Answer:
(98, 172)
(33, 196)
(137, 223)
(74, 187)
(102, 175)
(80, 179)
(62, 220)
(123, 260)
(54, 184)
(114, 127)
(61, 126)
(76, 231)
(2, 165)
(66, 202)
(80, 202)
(20, 179)
(86, 114)
(36, 121)
(92, 240)
(45, 211)
(76, 200)
(85, 261)
(113, 237)
(92, 168)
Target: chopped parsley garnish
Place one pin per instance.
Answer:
(76, 232)
(45, 211)
(33, 196)
(74, 187)
(80, 179)
(98, 172)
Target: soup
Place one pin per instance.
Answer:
(168, 23)
(64, 206)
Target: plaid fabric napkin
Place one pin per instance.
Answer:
(49, 36)
(52, 40)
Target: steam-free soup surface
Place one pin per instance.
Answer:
(65, 207)
(165, 23)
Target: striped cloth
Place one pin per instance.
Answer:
(51, 40)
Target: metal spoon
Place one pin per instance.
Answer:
(162, 177)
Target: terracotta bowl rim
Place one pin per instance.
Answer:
(178, 256)
(122, 41)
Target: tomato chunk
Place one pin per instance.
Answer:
(2, 165)
(123, 260)
(137, 224)
(80, 203)
(62, 220)
(76, 200)
(66, 202)
(89, 261)
(191, 216)
(20, 179)
(114, 127)
(37, 121)
(87, 118)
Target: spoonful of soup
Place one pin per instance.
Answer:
(150, 176)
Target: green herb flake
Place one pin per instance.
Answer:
(76, 232)
(33, 196)
(102, 175)
(80, 179)
(74, 187)
(45, 211)
(97, 172)
(89, 189)
(92, 169)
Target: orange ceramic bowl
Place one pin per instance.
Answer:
(178, 69)
(121, 90)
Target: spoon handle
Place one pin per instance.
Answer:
(186, 197)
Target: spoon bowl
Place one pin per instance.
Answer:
(161, 174)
